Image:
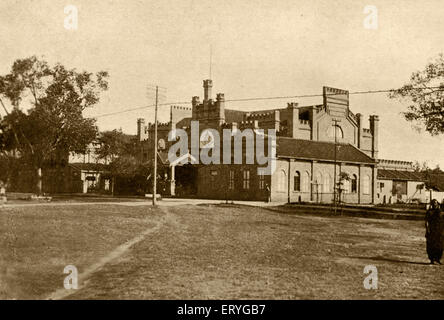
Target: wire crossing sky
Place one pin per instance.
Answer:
(252, 99)
(258, 49)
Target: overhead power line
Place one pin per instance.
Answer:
(262, 99)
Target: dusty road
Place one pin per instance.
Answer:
(209, 251)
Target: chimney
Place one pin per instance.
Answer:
(277, 120)
(360, 120)
(207, 84)
(194, 103)
(374, 129)
(220, 107)
(293, 123)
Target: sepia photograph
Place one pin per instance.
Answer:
(221, 154)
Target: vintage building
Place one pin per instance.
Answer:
(397, 181)
(306, 154)
(88, 171)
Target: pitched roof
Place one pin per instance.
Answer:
(234, 115)
(320, 150)
(384, 174)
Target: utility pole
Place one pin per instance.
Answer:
(155, 149)
(158, 95)
(211, 58)
(335, 126)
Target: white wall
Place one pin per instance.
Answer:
(412, 192)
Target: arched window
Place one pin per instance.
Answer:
(366, 185)
(326, 183)
(354, 184)
(297, 181)
(282, 182)
(306, 182)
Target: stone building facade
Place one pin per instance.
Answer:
(307, 156)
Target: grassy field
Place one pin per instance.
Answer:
(204, 252)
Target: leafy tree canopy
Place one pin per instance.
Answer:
(425, 92)
(46, 119)
(55, 98)
(123, 152)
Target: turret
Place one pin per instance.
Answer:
(207, 84)
(141, 132)
(293, 123)
(360, 121)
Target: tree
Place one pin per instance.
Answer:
(55, 97)
(343, 178)
(113, 144)
(420, 166)
(123, 153)
(425, 91)
(8, 159)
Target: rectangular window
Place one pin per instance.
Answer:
(261, 181)
(246, 175)
(231, 182)
(381, 186)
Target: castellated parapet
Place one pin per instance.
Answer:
(293, 121)
(209, 113)
(249, 124)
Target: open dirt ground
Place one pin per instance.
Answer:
(209, 252)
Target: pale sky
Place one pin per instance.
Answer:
(260, 49)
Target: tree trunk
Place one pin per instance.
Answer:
(39, 182)
(112, 186)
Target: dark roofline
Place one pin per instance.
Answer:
(403, 175)
(315, 141)
(369, 160)
(327, 160)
